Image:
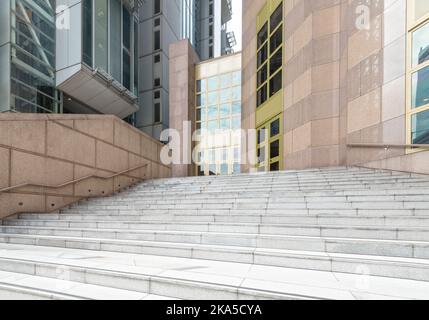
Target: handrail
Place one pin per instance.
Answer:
(24, 185)
(386, 145)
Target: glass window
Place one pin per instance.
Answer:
(225, 124)
(198, 115)
(275, 149)
(420, 45)
(236, 107)
(224, 169)
(275, 128)
(237, 168)
(212, 112)
(212, 169)
(276, 40)
(276, 17)
(225, 110)
(420, 128)
(101, 34)
(276, 61)
(201, 100)
(263, 35)
(213, 83)
(275, 166)
(126, 18)
(225, 95)
(262, 55)
(236, 78)
(212, 98)
(201, 85)
(115, 39)
(262, 75)
(87, 32)
(237, 154)
(236, 93)
(262, 95)
(225, 81)
(212, 126)
(276, 83)
(261, 154)
(236, 123)
(261, 136)
(127, 70)
(420, 92)
(157, 40)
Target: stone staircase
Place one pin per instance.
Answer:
(312, 234)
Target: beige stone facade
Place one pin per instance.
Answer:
(52, 150)
(344, 83)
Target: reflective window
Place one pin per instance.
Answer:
(225, 110)
(225, 81)
(420, 90)
(420, 40)
(225, 95)
(101, 41)
(213, 83)
(276, 17)
(420, 128)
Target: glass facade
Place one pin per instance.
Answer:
(110, 40)
(218, 122)
(418, 72)
(33, 57)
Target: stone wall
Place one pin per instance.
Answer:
(56, 149)
(183, 59)
(343, 83)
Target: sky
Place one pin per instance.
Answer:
(235, 24)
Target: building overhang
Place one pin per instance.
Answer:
(98, 90)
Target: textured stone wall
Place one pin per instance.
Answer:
(56, 149)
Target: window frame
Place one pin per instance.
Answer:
(270, 55)
(412, 26)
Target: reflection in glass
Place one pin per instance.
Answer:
(236, 107)
(225, 124)
(224, 110)
(225, 81)
(225, 95)
(236, 93)
(420, 84)
(212, 98)
(212, 112)
(421, 45)
(236, 78)
(213, 83)
(420, 128)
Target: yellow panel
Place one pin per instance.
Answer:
(270, 109)
(262, 17)
(273, 4)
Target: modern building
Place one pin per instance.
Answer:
(336, 83)
(218, 116)
(27, 57)
(162, 23)
(206, 95)
(69, 57)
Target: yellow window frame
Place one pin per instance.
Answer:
(268, 161)
(412, 26)
(264, 17)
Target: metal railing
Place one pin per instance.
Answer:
(387, 145)
(63, 185)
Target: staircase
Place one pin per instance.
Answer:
(338, 233)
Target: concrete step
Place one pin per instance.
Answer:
(349, 245)
(68, 220)
(31, 283)
(393, 267)
(137, 229)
